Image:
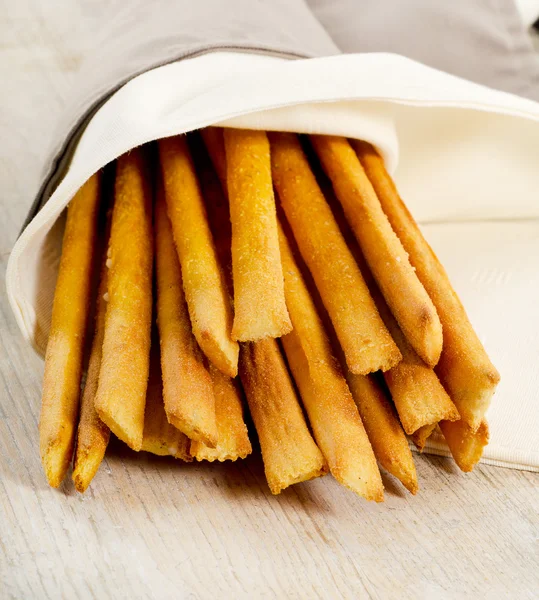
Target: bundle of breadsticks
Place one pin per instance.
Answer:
(227, 276)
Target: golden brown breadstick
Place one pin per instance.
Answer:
(417, 393)
(384, 430)
(464, 367)
(381, 247)
(215, 145)
(289, 452)
(259, 303)
(466, 445)
(362, 334)
(215, 198)
(160, 437)
(203, 280)
(93, 435)
(332, 413)
(125, 360)
(64, 356)
(421, 436)
(233, 439)
(187, 388)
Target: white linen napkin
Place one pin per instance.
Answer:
(468, 171)
(529, 11)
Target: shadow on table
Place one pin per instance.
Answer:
(392, 487)
(242, 479)
(442, 463)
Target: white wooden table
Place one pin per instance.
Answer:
(156, 528)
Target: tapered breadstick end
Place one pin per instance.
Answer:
(86, 466)
(466, 445)
(408, 480)
(56, 459)
(232, 436)
(421, 436)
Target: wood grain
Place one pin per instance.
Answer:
(153, 527)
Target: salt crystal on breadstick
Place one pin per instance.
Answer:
(289, 452)
(464, 368)
(64, 356)
(385, 255)
(259, 303)
(361, 332)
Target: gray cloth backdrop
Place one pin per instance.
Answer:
(481, 40)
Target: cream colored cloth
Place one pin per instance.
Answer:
(467, 170)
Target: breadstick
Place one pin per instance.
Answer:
(464, 367)
(64, 356)
(203, 280)
(332, 413)
(384, 430)
(160, 437)
(381, 247)
(421, 436)
(187, 388)
(233, 439)
(93, 435)
(289, 452)
(417, 393)
(466, 445)
(362, 334)
(259, 303)
(215, 145)
(215, 198)
(125, 360)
